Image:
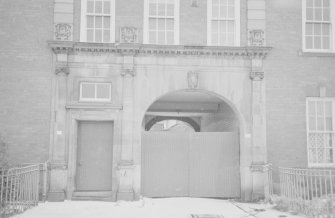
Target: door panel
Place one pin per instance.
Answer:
(94, 156)
(214, 165)
(164, 166)
(201, 164)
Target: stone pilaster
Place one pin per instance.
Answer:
(63, 20)
(126, 165)
(58, 164)
(259, 149)
(256, 22)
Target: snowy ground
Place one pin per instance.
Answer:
(152, 208)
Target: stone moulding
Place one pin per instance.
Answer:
(247, 52)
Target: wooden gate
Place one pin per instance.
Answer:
(204, 164)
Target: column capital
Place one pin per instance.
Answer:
(128, 72)
(62, 70)
(257, 75)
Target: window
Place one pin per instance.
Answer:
(317, 25)
(161, 22)
(223, 22)
(90, 91)
(320, 132)
(97, 21)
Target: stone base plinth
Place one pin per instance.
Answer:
(56, 196)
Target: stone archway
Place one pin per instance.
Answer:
(186, 164)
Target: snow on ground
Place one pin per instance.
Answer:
(152, 208)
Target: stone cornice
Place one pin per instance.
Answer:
(61, 47)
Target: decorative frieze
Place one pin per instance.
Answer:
(257, 75)
(256, 38)
(193, 79)
(164, 50)
(63, 31)
(128, 35)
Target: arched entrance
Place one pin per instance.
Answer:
(201, 163)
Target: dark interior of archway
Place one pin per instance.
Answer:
(202, 111)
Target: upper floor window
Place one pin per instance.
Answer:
(321, 132)
(223, 22)
(95, 91)
(97, 21)
(317, 25)
(161, 22)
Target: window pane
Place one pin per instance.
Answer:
(223, 26)
(231, 26)
(309, 42)
(231, 12)
(223, 2)
(222, 39)
(325, 29)
(317, 29)
(318, 14)
(161, 9)
(152, 9)
(215, 26)
(152, 37)
(161, 37)
(90, 6)
(309, 29)
(326, 42)
(87, 91)
(170, 37)
(169, 24)
(328, 109)
(98, 36)
(215, 2)
(170, 10)
(230, 39)
(223, 12)
(317, 3)
(320, 123)
(90, 35)
(107, 7)
(107, 22)
(309, 13)
(214, 39)
(329, 124)
(98, 6)
(152, 24)
(326, 14)
(107, 35)
(312, 123)
(98, 22)
(311, 108)
(231, 2)
(161, 24)
(309, 3)
(90, 21)
(215, 11)
(320, 110)
(103, 91)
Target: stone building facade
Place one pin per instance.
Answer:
(83, 80)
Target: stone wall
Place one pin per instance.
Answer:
(26, 78)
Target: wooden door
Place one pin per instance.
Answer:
(94, 156)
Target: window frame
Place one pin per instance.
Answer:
(83, 22)
(237, 19)
(320, 99)
(95, 99)
(176, 23)
(332, 29)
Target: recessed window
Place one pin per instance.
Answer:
(223, 22)
(320, 132)
(161, 22)
(317, 25)
(97, 21)
(90, 91)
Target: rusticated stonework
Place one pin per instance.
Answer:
(63, 31)
(256, 38)
(128, 35)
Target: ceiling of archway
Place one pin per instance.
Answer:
(190, 96)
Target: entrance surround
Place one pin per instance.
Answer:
(141, 75)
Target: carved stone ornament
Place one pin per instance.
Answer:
(62, 70)
(63, 31)
(193, 79)
(128, 35)
(257, 75)
(256, 38)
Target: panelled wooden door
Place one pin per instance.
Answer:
(94, 156)
(204, 164)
